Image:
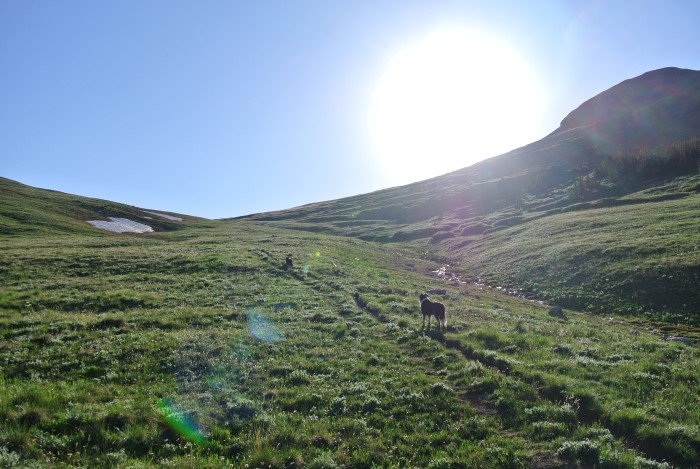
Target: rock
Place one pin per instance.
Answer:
(437, 291)
(683, 340)
(557, 312)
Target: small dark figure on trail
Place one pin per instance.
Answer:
(557, 312)
(433, 308)
(288, 262)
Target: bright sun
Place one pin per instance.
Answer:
(451, 100)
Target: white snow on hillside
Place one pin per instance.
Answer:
(121, 225)
(162, 215)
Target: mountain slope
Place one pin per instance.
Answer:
(198, 348)
(657, 108)
(632, 145)
(29, 210)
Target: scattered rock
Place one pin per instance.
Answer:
(683, 340)
(557, 312)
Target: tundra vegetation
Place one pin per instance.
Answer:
(197, 347)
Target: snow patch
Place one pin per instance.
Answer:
(121, 225)
(162, 215)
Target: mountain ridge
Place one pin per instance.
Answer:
(573, 147)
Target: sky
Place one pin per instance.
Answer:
(226, 108)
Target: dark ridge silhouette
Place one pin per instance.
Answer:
(656, 108)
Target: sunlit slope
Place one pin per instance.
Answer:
(26, 210)
(637, 254)
(633, 149)
(658, 108)
(640, 258)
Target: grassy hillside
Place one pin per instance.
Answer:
(194, 345)
(26, 210)
(196, 348)
(601, 214)
(638, 256)
(626, 244)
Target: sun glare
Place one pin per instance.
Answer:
(450, 100)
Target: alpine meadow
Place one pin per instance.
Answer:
(295, 338)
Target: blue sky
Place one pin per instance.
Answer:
(226, 108)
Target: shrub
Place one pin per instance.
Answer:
(564, 414)
(562, 349)
(8, 458)
(440, 463)
(584, 451)
(338, 406)
(323, 461)
(340, 330)
(474, 368)
(391, 327)
(298, 377)
(240, 407)
(373, 360)
(474, 428)
(544, 431)
(643, 463)
(440, 388)
(371, 404)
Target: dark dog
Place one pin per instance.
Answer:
(433, 308)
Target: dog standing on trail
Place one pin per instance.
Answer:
(433, 308)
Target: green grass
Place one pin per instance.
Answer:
(640, 260)
(194, 345)
(197, 348)
(629, 246)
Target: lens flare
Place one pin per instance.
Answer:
(181, 422)
(261, 328)
(307, 267)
